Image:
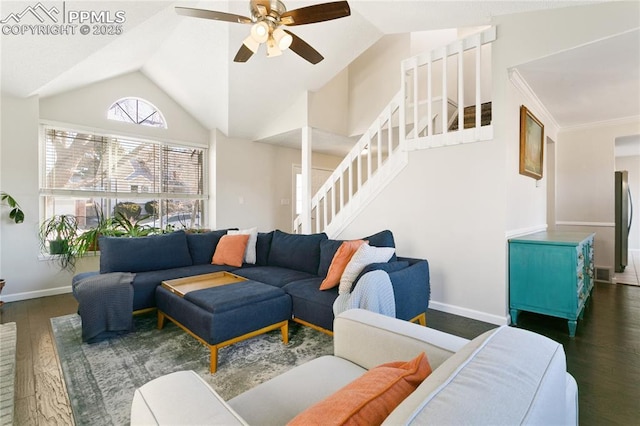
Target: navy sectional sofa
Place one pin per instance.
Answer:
(297, 263)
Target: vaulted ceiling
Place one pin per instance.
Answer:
(192, 59)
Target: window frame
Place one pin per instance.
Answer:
(142, 123)
(116, 196)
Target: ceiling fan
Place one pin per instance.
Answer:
(268, 19)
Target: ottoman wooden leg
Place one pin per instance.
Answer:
(420, 319)
(213, 363)
(161, 318)
(284, 330)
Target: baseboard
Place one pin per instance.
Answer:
(16, 297)
(468, 313)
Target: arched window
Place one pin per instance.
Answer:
(137, 111)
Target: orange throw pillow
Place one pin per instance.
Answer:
(339, 263)
(370, 398)
(230, 250)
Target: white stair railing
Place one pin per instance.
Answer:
(416, 118)
(442, 74)
(375, 157)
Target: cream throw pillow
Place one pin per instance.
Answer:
(250, 251)
(364, 256)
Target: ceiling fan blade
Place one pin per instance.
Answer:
(212, 14)
(243, 55)
(316, 13)
(303, 49)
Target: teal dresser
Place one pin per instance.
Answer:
(551, 273)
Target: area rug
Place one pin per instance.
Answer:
(102, 377)
(8, 336)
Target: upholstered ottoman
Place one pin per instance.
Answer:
(221, 316)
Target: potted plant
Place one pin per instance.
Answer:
(59, 233)
(88, 240)
(129, 227)
(16, 214)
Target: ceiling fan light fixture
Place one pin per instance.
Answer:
(282, 39)
(272, 48)
(260, 31)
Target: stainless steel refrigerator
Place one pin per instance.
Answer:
(624, 216)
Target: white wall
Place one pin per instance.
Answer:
(329, 106)
(88, 107)
(374, 78)
(447, 206)
(294, 115)
(632, 165)
(526, 196)
(252, 181)
(244, 184)
(26, 272)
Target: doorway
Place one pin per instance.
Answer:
(318, 177)
(551, 183)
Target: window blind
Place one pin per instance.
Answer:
(76, 162)
(83, 172)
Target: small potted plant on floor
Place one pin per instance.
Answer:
(58, 234)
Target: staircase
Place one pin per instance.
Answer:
(423, 114)
(470, 117)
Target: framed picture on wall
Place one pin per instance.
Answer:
(531, 144)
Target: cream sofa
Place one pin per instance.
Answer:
(506, 376)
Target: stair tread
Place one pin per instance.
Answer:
(470, 117)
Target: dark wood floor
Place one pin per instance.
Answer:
(40, 394)
(604, 356)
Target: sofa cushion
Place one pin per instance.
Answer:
(278, 400)
(328, 249)
(250, 250)
(520, 366)
(364, 256)
(203, 245)
(140, 254)
(272, 275)
(340, 260)
(370, 398)
(382, 239)
(296, 251)
(263, 245)
(388, 267)
(231, 250)
(310, 304)
(230, 297)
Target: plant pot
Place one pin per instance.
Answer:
(58, 246)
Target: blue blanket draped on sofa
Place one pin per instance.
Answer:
(105, 304)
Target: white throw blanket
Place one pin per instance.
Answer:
(373, 292)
